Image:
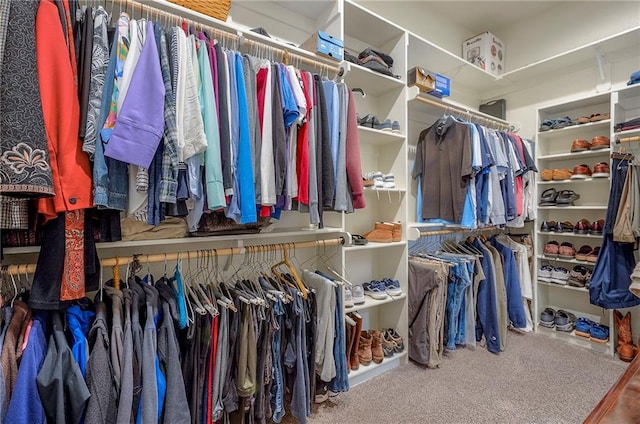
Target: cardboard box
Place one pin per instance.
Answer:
(324, 44)
(486, 51)
(429, 82)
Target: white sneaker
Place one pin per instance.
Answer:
(389, 181)
(560, 275)
(377, 177)
(348, 298)
(357, 294)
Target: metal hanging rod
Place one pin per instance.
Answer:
(19, 269)
(165, 9)
(458, 231)
(504, 125)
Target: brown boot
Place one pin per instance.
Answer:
(382, 233)
(364, 348)
(376, 346)
(397, 231)
(625, 348)
(353, 360)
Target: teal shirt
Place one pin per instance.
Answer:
(212, 160)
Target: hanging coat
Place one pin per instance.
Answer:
(60, 383)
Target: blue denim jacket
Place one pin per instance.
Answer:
(110, 181)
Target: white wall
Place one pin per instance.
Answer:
(566, 27)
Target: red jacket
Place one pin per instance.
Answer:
(61, 109)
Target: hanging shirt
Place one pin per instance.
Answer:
(267, 172)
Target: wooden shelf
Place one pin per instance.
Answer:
(372, 136)
(373, 303)
(575, 155)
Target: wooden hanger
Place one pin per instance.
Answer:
(292, 271)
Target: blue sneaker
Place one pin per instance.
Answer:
(599, 333)
(395, 127)
(386, 126)
(375, 290)
(583, 327)
(392, 287)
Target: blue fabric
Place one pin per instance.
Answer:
(79, 323)
(482, 178)
(277, 388)
(455, 294)
(178, 291)
(25, 405)
(340, 383)
(507, 184)
(233, 209)
(110, 181)
(612, 274)
(486, 302)
(289, 105)
(246, 187)
(634, 78)
(515, 307)
(333, 117)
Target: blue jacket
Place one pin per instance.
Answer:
(25, 405)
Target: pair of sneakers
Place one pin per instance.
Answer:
(550, 274)
(377, 179)
(353, 296)
(379, 289)
(597, 333)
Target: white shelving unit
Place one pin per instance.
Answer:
(553, 150)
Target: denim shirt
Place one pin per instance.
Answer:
(110, 182)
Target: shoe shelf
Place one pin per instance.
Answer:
(374, 245)
(568, 261)
(627, 133)
(575, 155)
(373, 83)
(564, 286)
(370, 136)
(583, 180)
(374, 303)
(579, 207)
(383, 190)
(576, 129)
(364, 373)
(554, 234)
(571, 338)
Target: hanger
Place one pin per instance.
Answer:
(294, 274)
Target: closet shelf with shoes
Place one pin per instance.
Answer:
(564, 286)
(576, 207)
(572, 338)
(375, 136)
(568, 131)
(572, 156)
(374, 303)
(373, 83)
(545, 233)
(364, 373)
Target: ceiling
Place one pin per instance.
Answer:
(479, 15)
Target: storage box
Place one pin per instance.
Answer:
(429, 82)
(486, 51)
(324, 44)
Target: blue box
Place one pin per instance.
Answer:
(324, 44)
(442, 88)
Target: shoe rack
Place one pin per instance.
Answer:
(384, 97)
(553, 151)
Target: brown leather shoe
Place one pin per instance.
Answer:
(582, 226)
(600, 142)
(546, 175)
(567, 251)
(581, 172)
(625, 348)
(364, 348)
(596, 227)
(579, 145)
(583, 253)
(382, 233)
(561, 174)
(601, 170)
(396, 233)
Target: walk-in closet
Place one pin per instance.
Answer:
(319, 211)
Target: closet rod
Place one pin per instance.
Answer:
(19, 269)
(457, 231)
(498, 122)
(155, 9)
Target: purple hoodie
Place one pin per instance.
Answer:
(140, 123)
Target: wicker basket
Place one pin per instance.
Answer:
(218, 9)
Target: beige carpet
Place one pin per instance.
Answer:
(536, 380)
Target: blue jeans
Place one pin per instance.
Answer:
(340, 382)
(277, 389)
(455, 296)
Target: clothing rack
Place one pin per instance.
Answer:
(174, 12)
(21, 269)
(430, 233)
(481, 118)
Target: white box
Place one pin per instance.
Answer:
(486, 51)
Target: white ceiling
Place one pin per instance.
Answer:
(479, 15)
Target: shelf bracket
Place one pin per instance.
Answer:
(600, 58)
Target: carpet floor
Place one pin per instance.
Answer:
(535, 380)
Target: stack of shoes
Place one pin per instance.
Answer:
(378, 180)
(385, 232)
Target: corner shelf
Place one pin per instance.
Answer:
(373, 303)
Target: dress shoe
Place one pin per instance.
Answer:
(582, 226)
(564, 227)
(583, 253)
(596, 227)
(600, 142)
(593, 256)
(548, 226)
(601, 170)
(581, 172)
(579, 145)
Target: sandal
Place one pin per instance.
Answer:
(548, 197)
(547, 318)
(551, 249)
(566, 198)
(599, 117)
(583, 120)
(583, 253)
(564, 321)
(566, 251)
(358, 240)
